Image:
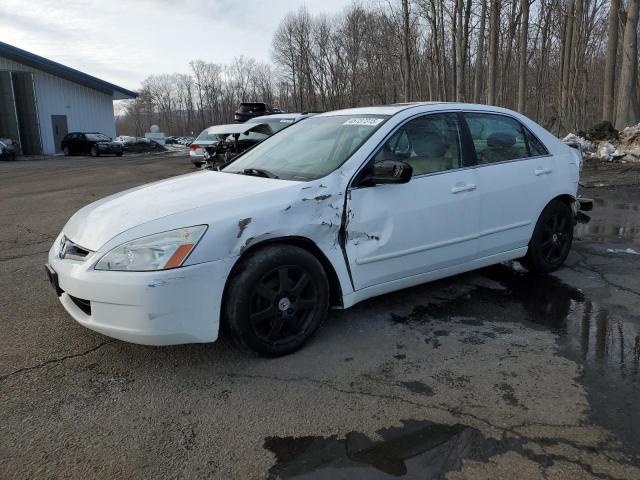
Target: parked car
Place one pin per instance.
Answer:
(331, 211)
(8, 149)
(125, 139)
(170, 140)
(228, 141)
(235, 138)
(197, 147)
(92, 143)
(249, 110)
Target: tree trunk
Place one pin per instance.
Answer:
(608, 100)
(477, 81)
(566, 64)
(522, 65)
(494, 33)
(460, 53)
(407, 59)
(627, 111)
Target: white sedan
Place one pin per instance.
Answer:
(331, 211)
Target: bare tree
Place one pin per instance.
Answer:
(542, 56)
(460, 53)
(608, 99)
(522, 61)
(494, 37)
(407, 50)
(627, 111)
(477, 81)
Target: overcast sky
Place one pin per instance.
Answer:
(124, 41)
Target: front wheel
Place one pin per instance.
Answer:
(277, 300)
(551, 239)
(66, 151)
(94, 152)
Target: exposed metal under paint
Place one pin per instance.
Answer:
(242, 225)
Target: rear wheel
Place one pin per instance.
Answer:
(551, 240)
(66, 151)
(277, 300)
(94, 152)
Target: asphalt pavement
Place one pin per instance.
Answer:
(490, 374)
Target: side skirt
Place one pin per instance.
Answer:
(375, 290)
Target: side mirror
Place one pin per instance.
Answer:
(390, 171)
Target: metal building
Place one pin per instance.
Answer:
(41, 101)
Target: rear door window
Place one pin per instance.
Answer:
(499, 138)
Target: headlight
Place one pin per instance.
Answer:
(161, 251)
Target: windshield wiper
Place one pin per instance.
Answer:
(259, 172)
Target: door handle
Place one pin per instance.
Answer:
(460, 187)
(541, 171)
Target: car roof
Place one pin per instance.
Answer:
(399, 107)
(375, 110)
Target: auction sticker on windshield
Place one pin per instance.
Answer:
(363, 121)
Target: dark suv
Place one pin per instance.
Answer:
(92, 143)
(249, 110)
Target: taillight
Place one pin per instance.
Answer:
(195, 147)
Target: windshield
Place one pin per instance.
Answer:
(311, 149)
(97, 137)
(206, 136)
(276, 124)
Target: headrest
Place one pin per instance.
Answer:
(501, 140)
(427, 143)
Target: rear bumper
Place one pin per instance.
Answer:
(579, 206)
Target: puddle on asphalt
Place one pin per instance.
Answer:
(605, 344)
(584, 326)
(611, 221)
(417, 449)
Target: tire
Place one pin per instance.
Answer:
(551, 240)
(66, 151)
(276, 300)
(94, 152)
(119, 154)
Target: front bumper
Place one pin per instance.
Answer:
(151, 308)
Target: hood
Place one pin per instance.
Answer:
(94, 225)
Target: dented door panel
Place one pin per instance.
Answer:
(396, 231)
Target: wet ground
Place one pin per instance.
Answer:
(491, 374)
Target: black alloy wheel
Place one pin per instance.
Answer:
(282, 304)
(276, 299)
(556, 238)
(551, 240)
